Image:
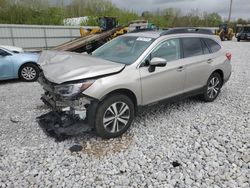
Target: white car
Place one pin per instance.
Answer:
(13, 49)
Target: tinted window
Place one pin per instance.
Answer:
(3, 52)
(214, 46)
(192, 47)
(169, 50)
(247, 29)
(204, 47)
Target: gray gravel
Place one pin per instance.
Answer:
(184, 144)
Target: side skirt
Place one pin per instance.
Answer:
(174, 98)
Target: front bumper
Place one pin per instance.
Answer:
(74, 104)
(243, 37)
(59, 104)
(74, 107)
(61, 125)
(69, 115)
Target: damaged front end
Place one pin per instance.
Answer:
(72, 112)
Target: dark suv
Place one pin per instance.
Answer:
(243, 33)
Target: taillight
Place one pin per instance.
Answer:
(229, 56)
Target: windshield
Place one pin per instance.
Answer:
(247, 29)
(125, 50)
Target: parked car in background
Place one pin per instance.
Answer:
(131, 71)
(13, 49)
(18, 65)
(243, 32)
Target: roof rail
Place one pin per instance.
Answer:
(187, 30)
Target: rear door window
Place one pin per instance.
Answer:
(214, 46)
(191, 47)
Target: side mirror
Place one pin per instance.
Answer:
(156, 62)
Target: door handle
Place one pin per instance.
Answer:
(181, 68)
(209, 61)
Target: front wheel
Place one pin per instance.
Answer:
(29, 72)
(213, 87)
(114, 116)
(223, 37)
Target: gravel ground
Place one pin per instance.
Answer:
(184, 144)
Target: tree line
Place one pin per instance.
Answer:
(42, 12)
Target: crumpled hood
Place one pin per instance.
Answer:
(60, 66)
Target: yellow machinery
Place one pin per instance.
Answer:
(106, 23)
(225, 32)
(85, 32)
(95, 37)
(122, 31)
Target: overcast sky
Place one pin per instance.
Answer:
(241, 8)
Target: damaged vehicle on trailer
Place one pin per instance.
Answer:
(104, 90)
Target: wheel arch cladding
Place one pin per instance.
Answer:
(127, 93)
(220, 72)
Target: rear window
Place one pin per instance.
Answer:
(192, 47)
(205, 47)
(214, 46)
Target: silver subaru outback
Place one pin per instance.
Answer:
(104, 90)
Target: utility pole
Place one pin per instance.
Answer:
(230, 11)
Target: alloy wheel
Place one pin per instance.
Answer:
(213, 87)
(28, 73)
(116, 117)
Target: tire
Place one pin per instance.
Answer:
(222, 37)
(116, 124)
(212, 88)
(238, 39)
(29, 72)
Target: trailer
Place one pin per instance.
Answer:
(95, 37)
(90, 42)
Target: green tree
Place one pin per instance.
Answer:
(41, 12)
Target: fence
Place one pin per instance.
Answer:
(37, 36)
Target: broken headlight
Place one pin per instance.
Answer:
(67, 90)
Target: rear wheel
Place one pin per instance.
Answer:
(238, 39)
(213, 87)
(114, 116)
(29, 72)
